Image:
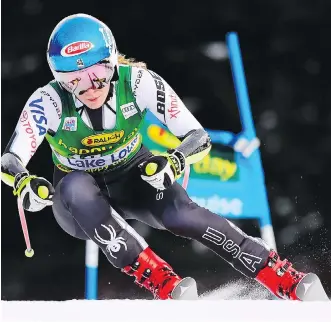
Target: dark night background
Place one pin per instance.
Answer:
(286, 51)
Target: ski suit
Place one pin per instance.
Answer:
(97, 181)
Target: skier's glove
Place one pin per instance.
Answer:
(161, 171)
(36, 193)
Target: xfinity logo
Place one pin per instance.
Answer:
(221, 206)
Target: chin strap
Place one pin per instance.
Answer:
(110, 92)
(115, 77)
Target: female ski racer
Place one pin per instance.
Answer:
(91, 115)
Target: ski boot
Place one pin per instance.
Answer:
(285, 282)
(157, 276)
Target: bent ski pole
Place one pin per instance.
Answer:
(29, 252)
(186, 177)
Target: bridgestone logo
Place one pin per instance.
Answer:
(76, 48)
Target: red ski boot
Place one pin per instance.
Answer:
(157, 276)
(285, 282)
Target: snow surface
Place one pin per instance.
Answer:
(240, 289)
(145, 311)
(236, 301)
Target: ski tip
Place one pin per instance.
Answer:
(310, 288)
(186, 289)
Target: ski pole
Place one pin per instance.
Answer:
(186, 177)
(29, 252)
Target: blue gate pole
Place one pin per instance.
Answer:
(247, 122)
(91, 270)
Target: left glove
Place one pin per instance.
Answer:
(35, 192)
(161, 171)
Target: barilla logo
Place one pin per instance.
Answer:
(76, 48)
(102, 139)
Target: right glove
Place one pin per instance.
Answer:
(36, 193)
(161, 171)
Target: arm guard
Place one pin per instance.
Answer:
(10, 166)
(195, 145)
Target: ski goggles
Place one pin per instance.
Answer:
(94, 77)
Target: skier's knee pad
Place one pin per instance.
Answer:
(78, 187)
(64, 217)
(179, 221)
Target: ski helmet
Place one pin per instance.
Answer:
(82, 53)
